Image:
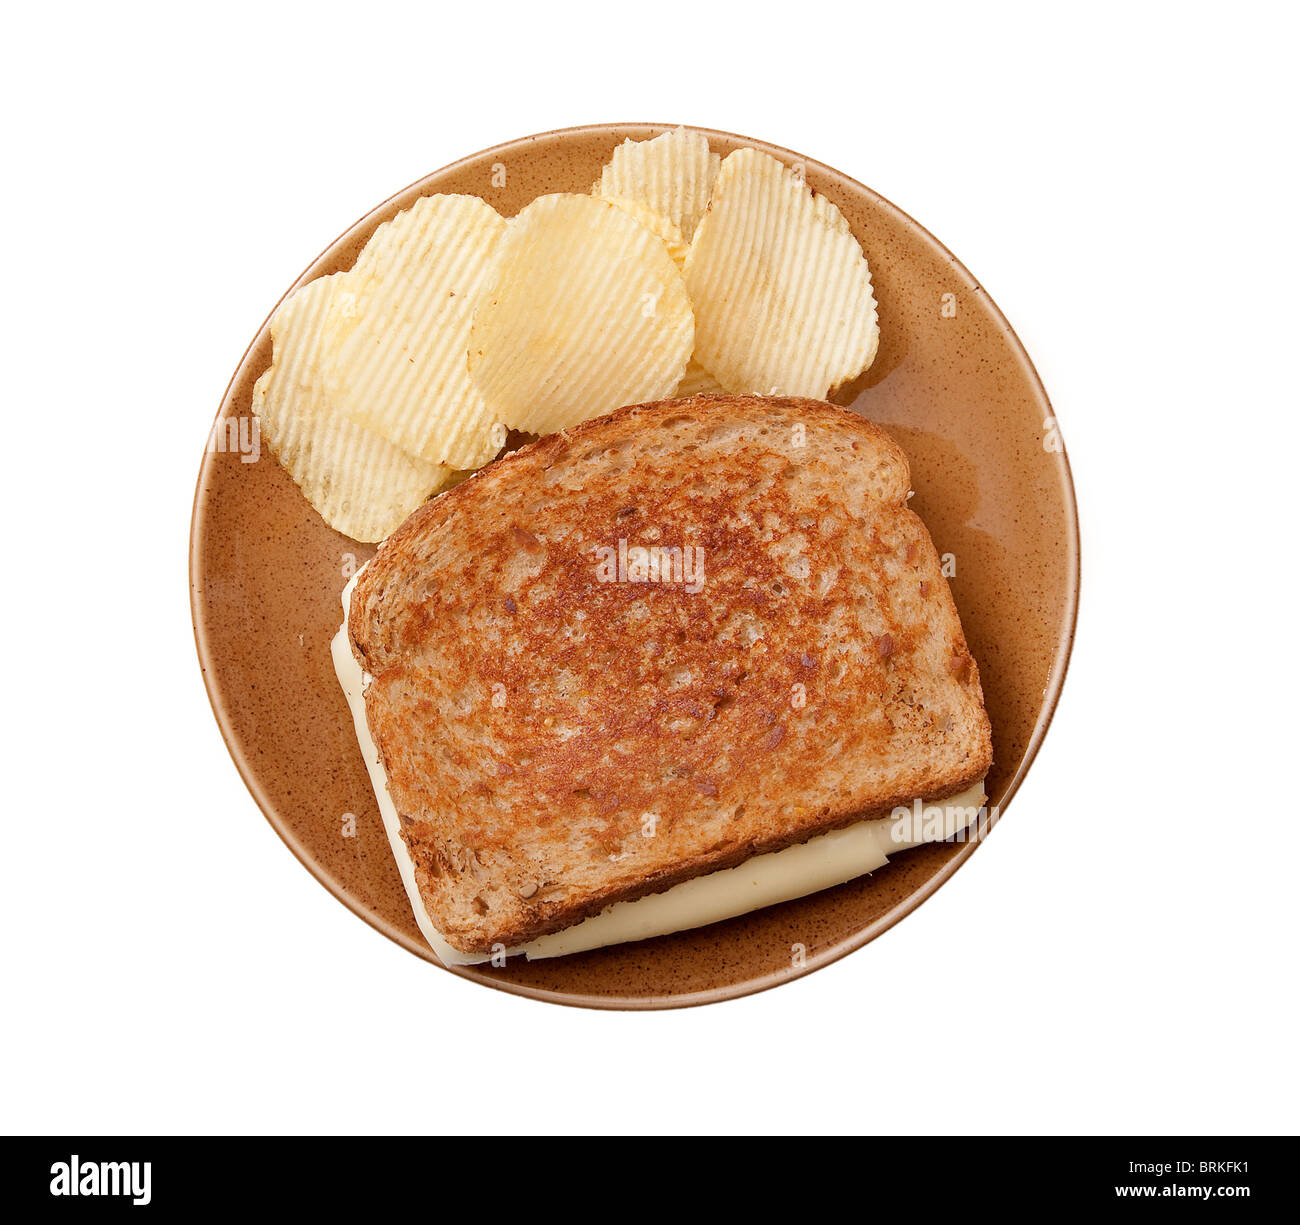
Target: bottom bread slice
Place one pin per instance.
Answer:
(778, 876)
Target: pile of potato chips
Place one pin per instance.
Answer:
(681, 273)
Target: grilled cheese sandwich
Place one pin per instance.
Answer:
(573, 747)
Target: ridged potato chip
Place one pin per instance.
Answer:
(588, 312)
(697, 382)
(671, 174)
(399, 326)
(360, 483)
(657, 224)
(781, 289)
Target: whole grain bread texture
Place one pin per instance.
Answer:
(562, 730)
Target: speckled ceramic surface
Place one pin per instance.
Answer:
(953, 386)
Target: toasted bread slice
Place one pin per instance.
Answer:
(559, 737)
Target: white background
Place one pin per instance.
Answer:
(1120, 956)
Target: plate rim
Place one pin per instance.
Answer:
(1046, 711)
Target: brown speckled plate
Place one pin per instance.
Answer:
(951, 383)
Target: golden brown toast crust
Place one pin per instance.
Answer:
(555, 743)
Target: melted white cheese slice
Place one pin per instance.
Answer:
(779, 876)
